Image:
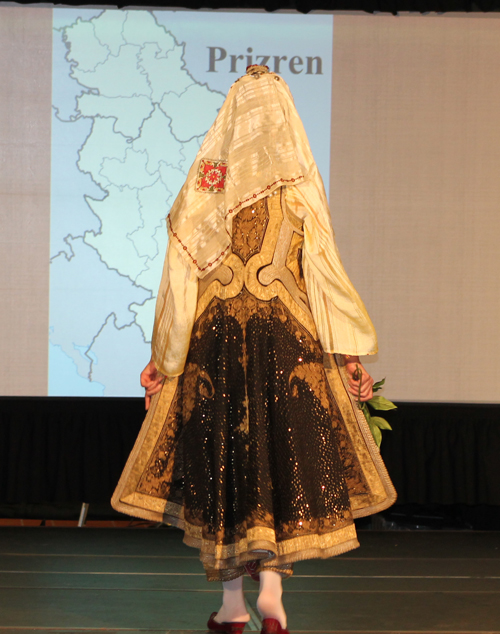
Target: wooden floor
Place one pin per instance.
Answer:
(129, 580)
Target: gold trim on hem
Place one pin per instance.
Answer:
(279, 560)
(286, 551)
(382, 492)
(151, 429)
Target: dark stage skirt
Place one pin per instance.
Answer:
(257, 451)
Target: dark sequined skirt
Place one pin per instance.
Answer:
(255, 462)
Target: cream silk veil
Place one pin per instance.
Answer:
(260, 142)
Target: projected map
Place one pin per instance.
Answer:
(129, 115)
(143, 129)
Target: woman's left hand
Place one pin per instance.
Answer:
(361, 388)
(152, 381)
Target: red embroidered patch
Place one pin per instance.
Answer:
(211, 176)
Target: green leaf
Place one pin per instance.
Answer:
(380, 402)
(380, 422)
(376, 433)
(378, 385)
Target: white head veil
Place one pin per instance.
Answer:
(256, 144)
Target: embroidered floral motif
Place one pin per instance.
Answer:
(211, 176)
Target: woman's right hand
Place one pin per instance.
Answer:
(360, 382)
(152, 381)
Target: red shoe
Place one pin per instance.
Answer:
(272, 626)
(251, 568)
(225, 628)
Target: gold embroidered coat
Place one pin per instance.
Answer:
(256, 449)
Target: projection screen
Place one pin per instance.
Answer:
(102, 113)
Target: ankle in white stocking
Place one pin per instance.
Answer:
(269, 603)
(233, 608)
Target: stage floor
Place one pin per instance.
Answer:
(132, 580)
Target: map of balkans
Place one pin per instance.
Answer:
(137, 122)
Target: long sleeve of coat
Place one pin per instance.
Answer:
(175, 314)
(341, 318)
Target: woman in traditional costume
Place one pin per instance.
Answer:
(253, 443)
